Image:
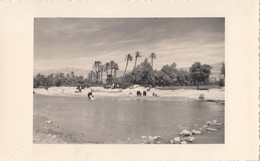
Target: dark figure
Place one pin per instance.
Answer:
(138, 93)
(201, 97)
(90, 95)
(79, 88)
(144, 93)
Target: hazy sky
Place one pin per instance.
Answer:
(78, 42)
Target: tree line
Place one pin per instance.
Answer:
(142, 74)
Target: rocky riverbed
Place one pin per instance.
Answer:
(46, 132)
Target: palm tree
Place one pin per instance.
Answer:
(128, 58)
(137, 54)
(107, 67)
(116, 67)
(152, 56)
(97, 68)
(112, 63)
(102, 68)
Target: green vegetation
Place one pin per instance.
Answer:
(142, 74)
(222, 79)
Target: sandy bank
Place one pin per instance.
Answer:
(212, 94)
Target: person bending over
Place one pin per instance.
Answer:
(90, 95)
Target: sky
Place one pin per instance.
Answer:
(78, 42)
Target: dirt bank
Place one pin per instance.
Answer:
(216, 95)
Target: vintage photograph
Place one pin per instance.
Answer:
(129, 80)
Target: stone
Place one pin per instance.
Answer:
(208, 123)
(217, 123)
(156, 138)
(158, 142)
(171, 141)
(143, 137)
(186, 133)
(183, 142)
(195, 132)
(150, 137)
(49, 121)
(211, 129)
(177, 140)
(214, 121)
(204, 126)
(191, 139)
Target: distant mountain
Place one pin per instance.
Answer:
(67, 70)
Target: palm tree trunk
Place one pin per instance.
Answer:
(135, 61)
(101, 76)
(126, 67)
(115, 71)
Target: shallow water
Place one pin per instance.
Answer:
(107, 120)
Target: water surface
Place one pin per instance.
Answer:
(108, 120)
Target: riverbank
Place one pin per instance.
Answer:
(214, 95)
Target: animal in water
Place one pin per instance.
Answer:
(144, 93)
(138, 93)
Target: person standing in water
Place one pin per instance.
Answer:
(90, 95)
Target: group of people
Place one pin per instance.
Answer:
(90, 94)
(138, 93)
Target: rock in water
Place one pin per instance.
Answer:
(143, 137)
(204, 126)
(186, 133)
(183, 142)
(216, 123)
(177, 140)
(196, 132)
(156, 138)
(208, 123)
(49, 121)
(191, 139)
(211, 129)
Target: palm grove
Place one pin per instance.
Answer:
(142, 74)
